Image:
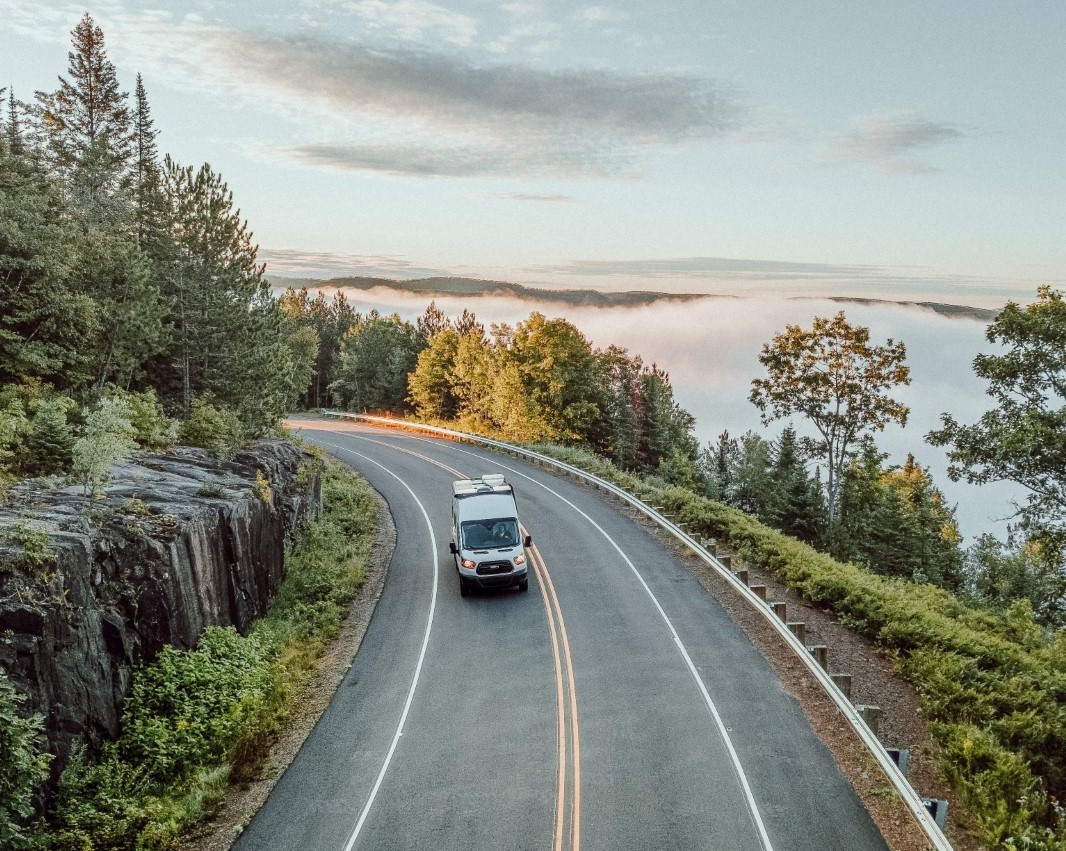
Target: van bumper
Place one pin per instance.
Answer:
(495, 580)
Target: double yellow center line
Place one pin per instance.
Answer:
(569, 735)
(565, 696)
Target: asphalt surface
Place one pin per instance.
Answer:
(580, 714)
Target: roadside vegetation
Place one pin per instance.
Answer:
(979, 632)
(992, 685)
(196, 720)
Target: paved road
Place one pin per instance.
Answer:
(613, 706)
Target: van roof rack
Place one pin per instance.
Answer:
(488, 483)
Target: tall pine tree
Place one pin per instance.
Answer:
(147, 182)
(85, 129)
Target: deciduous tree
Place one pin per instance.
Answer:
(1023, 438)
(831, 375)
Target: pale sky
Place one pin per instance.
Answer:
(903, 150)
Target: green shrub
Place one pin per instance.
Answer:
(106, 438)
(36, 553)
(215, 428)
(189, 708)
(152, 428)
(22, 768)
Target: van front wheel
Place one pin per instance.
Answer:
(524, 584)
(464, 587)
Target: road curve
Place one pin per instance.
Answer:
(613, 706)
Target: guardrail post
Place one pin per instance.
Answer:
(821, 655)
(902, 758)
(843, 682)
(871, 715)
(759, 591)
(727, 562)
(779, 608)
(799, 629)
(742, 575)
(938, 809)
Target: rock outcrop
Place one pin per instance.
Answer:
(91, 587)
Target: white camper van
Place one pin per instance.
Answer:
(487, 541)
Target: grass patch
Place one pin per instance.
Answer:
(198, 720)
(992, 686)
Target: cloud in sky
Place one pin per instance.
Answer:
(436, 160)
(413, 20)
(592, 15)
(550, 197)
(701, 267)
(296, 263)
(888, 142)
(512, 119)
(454, 91)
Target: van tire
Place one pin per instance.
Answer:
(524, 584)
(464, 587)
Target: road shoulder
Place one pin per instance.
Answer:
(243, 800)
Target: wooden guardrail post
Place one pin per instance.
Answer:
(821, 655)
(843, 682)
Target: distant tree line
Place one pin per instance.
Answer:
(539, 380)
(123, 272)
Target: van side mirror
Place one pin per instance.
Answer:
(453, 548)
(527, 541)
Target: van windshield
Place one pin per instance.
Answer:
(485, 534)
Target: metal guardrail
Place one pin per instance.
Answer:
(900, 783)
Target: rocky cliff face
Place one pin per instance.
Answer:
(91, 587)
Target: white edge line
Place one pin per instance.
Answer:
(421, 654)
(873, 744)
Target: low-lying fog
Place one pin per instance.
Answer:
(710, 348)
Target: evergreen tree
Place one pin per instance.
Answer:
(222, 314)
(750, 486)
(50, 442)
(666, 427)
(860, 495)
(623, 405)
(12, 128)
(147, 180)
(86, 130)
(719, 462)
(117, 276)
(794, 503)
(467, 324)
(432, 322)
(47, 324)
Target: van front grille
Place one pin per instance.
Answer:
(487, 567)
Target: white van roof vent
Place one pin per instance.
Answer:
(488, 483)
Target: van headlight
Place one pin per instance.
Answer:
(520, 559)
(468, 564)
